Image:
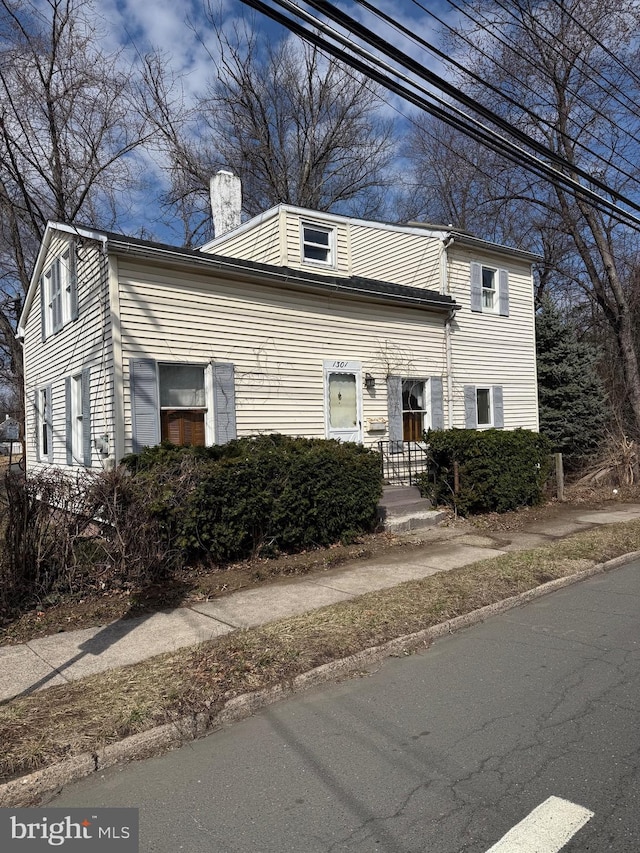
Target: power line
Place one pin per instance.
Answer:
(511, 46)
(523, 108)
(446, 112)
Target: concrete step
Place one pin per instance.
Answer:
(402, 508)
(412, 521)
(394, 495)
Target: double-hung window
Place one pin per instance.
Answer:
(489, 290)
(484, 410)
(44, 417)
(76, 420)
(182, 403)
(58, 292)
(484, 406)
(317, 244)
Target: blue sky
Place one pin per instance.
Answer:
(181, 32)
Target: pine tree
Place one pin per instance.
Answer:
(573, 406)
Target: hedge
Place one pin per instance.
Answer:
(264, 494)
(498, 470)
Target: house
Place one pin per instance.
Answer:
(296, 321)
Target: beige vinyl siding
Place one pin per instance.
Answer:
(488, 349)
(260, 243)
(85, 342)
(404, 258)
(277, 339)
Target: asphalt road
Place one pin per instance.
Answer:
(440, 752)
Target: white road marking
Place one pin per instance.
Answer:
(546, 829)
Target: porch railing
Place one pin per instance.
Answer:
(402, 461)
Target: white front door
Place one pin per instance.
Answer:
(343, 400)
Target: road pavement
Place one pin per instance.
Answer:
(530, 719)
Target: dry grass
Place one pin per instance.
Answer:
(83, 716)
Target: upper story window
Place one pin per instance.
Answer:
(58, 293)
(318, 244)
(489, 290)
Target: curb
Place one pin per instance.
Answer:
(37, 788)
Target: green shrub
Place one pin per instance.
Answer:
(266, 494)
(498, 470)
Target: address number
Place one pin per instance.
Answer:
(340, 363)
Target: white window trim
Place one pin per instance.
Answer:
(60, 269)
(426, 400)
(207, 409)
(328, 229)
(489, 425)
(44, 423)
(77, 435)
(495, 306)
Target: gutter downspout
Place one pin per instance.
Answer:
(448, 241)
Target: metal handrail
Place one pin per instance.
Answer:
(402, 461)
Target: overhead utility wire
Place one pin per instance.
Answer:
(511, 46)
(524, 109)
(372, 39)
(611, 88)
(626, 68)
(455, 118)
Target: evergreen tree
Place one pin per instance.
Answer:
(573, 406)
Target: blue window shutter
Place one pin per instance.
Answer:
(476, 287)
(503, 292)
(49, 424)
(437, 402)
(86, 417)
(470, 407)
(145, 406)
(224, 402)
(43, 311)
(73, 282)
(498, 407)
(394, 412)
(68, 430)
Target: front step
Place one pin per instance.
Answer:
(401, 508)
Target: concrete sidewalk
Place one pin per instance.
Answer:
(71, 655)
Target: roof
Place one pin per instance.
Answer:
(354, 286)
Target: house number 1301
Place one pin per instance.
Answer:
(340, 363)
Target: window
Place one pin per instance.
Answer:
(317, 244)
(182, 404)
(58, 293)
(77, 452)
(44, 437)
(414, 409)
(488, 289)
(483, 407)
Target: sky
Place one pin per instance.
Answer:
(181, 32)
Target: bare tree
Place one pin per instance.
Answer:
(565, 71)
(67, 124)
(296, 127)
